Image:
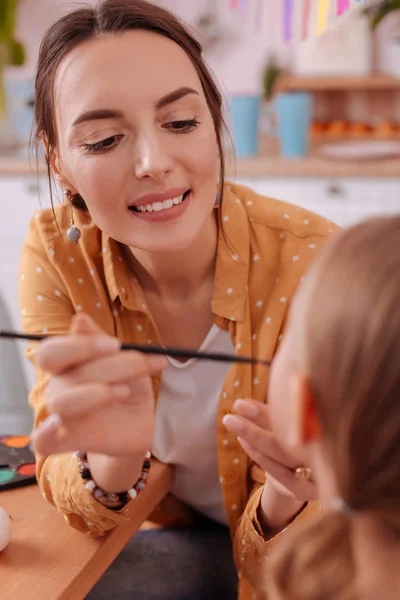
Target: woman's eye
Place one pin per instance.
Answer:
(104, 145)
(182, 126)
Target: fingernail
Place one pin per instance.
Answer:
(52, 423)
(107, 344)
(157, 362)
(121, 391)
(245, 408)
(245, 445)
(232, 423)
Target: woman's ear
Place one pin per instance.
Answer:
(55, 166)
(305, 426)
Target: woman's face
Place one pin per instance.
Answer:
(136, 139)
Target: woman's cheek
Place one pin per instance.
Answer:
(98, 182)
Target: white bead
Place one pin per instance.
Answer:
(132, 493)
(73, 234)
(90, 485)
(5, 529)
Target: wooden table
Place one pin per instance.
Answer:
(48, 560)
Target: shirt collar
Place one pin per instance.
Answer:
(233, 259)
(121, 282)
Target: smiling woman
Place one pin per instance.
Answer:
(168, 254)
(118, 124)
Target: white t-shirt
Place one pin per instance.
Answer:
(186, 425)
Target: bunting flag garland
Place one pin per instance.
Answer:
(323, 10)
(342, 6)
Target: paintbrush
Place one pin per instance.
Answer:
(173, 352)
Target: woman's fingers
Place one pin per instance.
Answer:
(72, 402)
(121, 367)
(251, 424)
(84, 325)
(258, 438)
(45, 438)
(253, 411)
(60, 353)
(296, 488)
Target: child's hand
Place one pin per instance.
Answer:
(251, 423)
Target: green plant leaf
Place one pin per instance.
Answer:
(7, 18)
(385, 8)
(271, 73)
(17, 53)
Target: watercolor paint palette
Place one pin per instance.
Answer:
(17, 462)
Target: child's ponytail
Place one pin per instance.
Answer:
(316, 563)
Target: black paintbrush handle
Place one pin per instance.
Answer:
(174, 352)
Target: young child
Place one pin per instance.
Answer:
(338, 369)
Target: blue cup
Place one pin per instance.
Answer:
(245, 113)
(19, 108)
(294, 112)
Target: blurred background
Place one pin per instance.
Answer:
(312, 90)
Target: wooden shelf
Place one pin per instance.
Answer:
(268, 163)
(374, 82)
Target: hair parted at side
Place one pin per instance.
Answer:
(114, 16)
(351, 350)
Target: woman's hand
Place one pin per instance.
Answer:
(99, 400)
(251, 423)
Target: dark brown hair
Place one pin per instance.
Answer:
(114, 16)
(351, 343)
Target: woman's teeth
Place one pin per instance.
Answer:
(158, 206)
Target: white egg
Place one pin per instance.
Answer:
(5, 529)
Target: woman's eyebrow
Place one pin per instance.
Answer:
(174, 96)
(95, 115)
(107, 113)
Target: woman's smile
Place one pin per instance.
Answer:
(172, 207)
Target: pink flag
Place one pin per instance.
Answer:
(287, 20)
(342, 6)
(306, 17)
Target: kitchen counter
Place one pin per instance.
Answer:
(267, 164)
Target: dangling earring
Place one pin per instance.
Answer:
(73, 232)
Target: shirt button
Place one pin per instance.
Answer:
(222, 322)
(230, 478)
(246, 540)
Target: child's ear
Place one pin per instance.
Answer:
(305, 426)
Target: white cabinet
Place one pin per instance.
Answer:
(20, 198)
(343, 201)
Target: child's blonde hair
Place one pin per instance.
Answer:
(352, 356)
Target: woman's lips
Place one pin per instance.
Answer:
(165, 214)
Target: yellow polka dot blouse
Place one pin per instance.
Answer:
(264, 249)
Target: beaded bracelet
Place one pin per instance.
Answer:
(111, 500)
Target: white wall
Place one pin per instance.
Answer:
(237, 61)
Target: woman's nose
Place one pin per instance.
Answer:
(152, 160)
